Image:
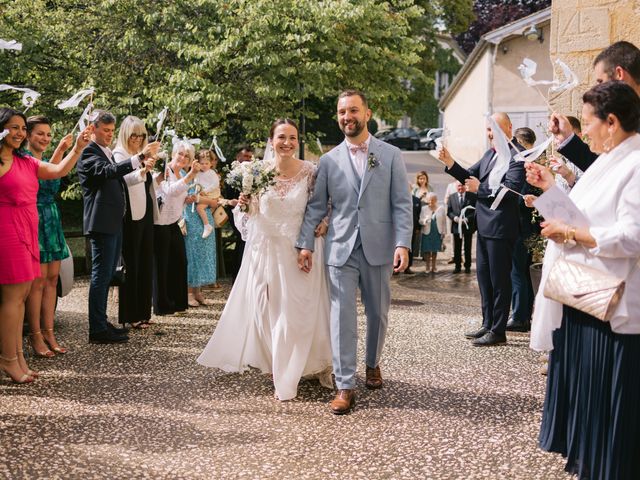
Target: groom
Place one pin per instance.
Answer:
(369, 235)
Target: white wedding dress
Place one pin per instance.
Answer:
(276, 317)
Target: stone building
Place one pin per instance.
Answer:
(580, 29)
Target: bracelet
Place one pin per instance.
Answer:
(570, 236)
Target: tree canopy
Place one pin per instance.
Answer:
(223, 65)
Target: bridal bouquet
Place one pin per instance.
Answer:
(251, 178)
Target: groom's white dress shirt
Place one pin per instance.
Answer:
(359, 159)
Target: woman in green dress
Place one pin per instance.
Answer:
(41, 303)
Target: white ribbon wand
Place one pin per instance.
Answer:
(161, 117)
(217, 149)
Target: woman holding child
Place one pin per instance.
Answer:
(170, 260)
(200, 244)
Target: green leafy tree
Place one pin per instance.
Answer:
(220, 64)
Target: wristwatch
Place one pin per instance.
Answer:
(141, 157)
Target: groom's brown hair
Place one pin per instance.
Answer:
(351, 92)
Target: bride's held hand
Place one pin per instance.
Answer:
(305, 260)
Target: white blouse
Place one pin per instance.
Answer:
(135, 186)
(427, 216)
(608, 194)
(172, 191)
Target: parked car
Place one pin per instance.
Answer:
(428, 138)
(405, 138)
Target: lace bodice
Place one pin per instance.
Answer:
(280, 210)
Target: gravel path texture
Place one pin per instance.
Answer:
(146, 409)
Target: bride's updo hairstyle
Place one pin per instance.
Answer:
(281, 121)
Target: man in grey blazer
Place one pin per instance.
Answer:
(369, 235)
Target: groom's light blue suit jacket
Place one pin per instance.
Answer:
(377, 210)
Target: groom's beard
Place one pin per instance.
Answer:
(353, 129)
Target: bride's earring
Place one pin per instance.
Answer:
(608, 144)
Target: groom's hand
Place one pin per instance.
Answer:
(400, 259)
(305, 260)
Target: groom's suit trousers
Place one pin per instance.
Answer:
(376, 296)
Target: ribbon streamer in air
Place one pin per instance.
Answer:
(75, 100)
(503, 156)
(29, 96)
(87, 117)
(533, 153)
(10, 45)
(161, 117)
(528, 69)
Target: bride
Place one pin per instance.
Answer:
(276, 317)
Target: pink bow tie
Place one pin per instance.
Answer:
(358, 148)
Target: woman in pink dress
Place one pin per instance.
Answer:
(19, 248)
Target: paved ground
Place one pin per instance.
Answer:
(147, 410)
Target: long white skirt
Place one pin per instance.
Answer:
(276, 318)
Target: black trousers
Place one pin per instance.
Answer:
(493, 262)
(467, 238)
(137, 251)
(170, 270)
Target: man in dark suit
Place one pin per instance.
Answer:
(104, 207)
(619, 61)
(497, 233)
(456, 203)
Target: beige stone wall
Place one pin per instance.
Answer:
(580, 29)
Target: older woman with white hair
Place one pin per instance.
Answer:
(134, 304)
(170, 281)
(434, 224)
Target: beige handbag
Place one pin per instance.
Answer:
(584, 288)
(220, 216)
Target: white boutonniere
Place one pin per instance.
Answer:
(372, 161)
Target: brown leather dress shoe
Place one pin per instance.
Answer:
(343, 402)
(373, 378)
